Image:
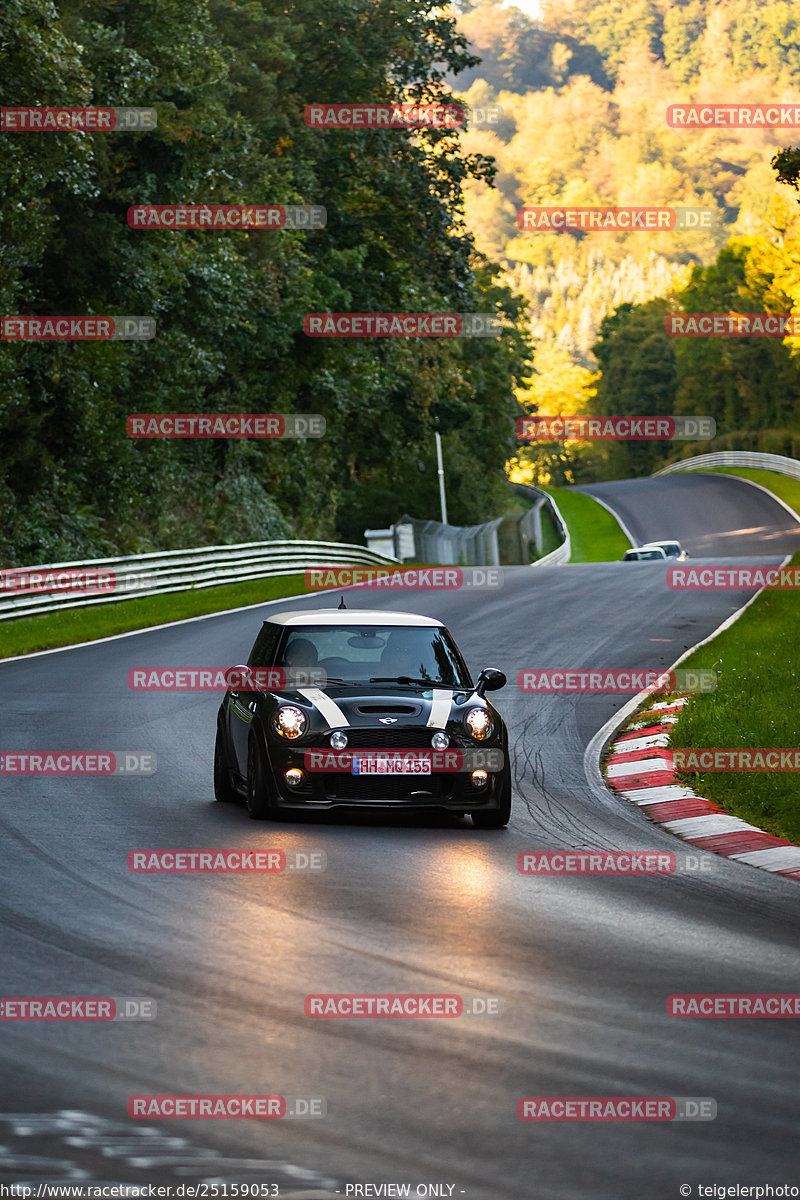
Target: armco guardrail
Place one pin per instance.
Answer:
(562, 553)
(172, 571)
(737, 458)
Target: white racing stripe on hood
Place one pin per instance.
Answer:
(440, 708)
(329, 708)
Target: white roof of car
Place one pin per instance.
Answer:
(659, 545)
(351, 616)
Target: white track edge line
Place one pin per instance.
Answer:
(614, 514)
(113, 637)
(594, 750)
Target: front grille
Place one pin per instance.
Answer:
(387, 787)
(410, 737)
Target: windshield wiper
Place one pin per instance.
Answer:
(406, 679)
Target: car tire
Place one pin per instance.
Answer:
(259, 798)
(223, 785)
(496, 818)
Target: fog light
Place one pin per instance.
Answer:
(338, 740)
(478, 778)
(440, 740)
(294, 777)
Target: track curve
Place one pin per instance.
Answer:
(583, 965)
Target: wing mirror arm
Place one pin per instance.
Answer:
(490, 680)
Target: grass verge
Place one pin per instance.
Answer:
(72, 626)
(755, 705)
(595, 535)
(85, 624)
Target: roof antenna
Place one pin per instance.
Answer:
(342, 603)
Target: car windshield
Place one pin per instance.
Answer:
(651, 554)
(362, 654)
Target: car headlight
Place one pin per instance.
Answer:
(290, 722)
(479, 723)
(440, 740)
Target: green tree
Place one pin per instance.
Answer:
(638, 378)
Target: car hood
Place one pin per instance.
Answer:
(357, 705)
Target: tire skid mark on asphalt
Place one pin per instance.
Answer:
(165, 977)
(62, 868)
(549, 813)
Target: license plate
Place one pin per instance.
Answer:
(390, 764)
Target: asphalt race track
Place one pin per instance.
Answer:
(583, 965)
(709, 514)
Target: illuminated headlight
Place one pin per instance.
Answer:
(290, 722)
(440, 740)
(478, 778)
(338, 740)
(294, 777)
(479, 723)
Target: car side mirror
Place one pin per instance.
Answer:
(490, 680)
(238, 679)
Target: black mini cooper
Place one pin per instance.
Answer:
(346, 707)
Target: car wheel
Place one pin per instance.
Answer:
(223, 787)
(260, 804)
(496, 818)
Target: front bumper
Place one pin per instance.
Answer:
(320, 790)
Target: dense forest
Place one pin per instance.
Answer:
(229, 82)
(582, 94)
(417, 221)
